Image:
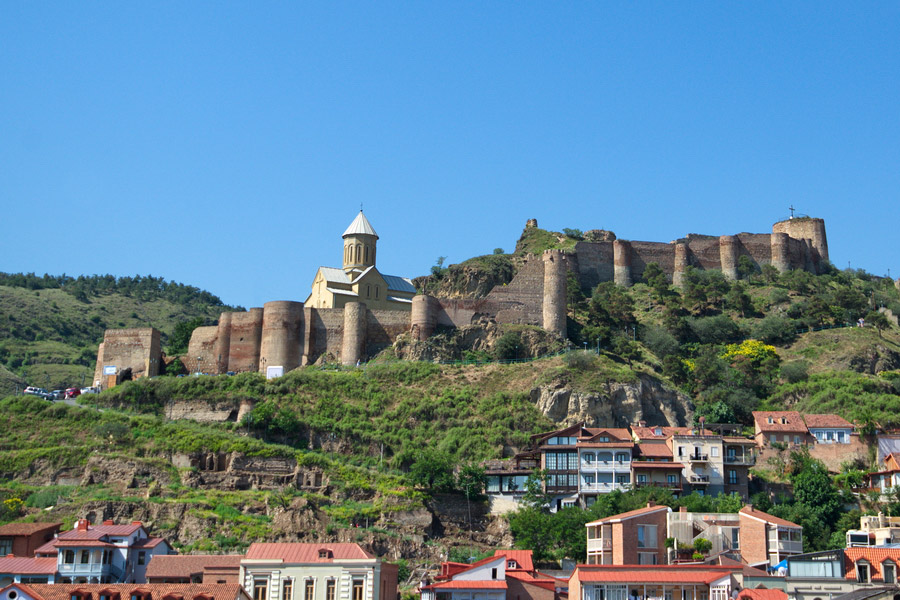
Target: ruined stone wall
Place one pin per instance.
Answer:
(758, 246)
(136, 349)
(521, 300)
(201, 355)
(325, 333)
(594, 262)
(382, 328)
(644, 253)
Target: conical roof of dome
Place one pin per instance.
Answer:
(360, 225)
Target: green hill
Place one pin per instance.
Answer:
(50, 327)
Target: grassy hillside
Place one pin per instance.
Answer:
(50, 327)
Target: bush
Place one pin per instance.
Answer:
(779, 296)
(508, 345)
(660, 342)
(794, 371)
(775, 330)
(715, 330)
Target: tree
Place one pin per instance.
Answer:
(470, 480)
(658, 282)
(181, 336)
(433, 470)
(878, 321)
(575, 234)
(499, 251)
(535, 496)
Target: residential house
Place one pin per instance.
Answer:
(888, 478)
(636, 537)
(106, 553)
(27, 569)
(505, 480)
(874, 530)
(740, 456)
(559, 460)
(316, 571)
(123, 591)
(766, 539)
(833, 573)
(723, 530)
(22, 539)
(195, 568)
(780, 426)
(653, 466)
(829, 429)
(663, 582)
(701, 454)
(604, 459)
(508, 574)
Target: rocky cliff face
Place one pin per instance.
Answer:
(479, 337)
(620, 405)
(472, 279)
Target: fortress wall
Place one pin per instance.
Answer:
(758, 246)
(521, 300)
(644, 253)
(223, 342)
(136, 349)
(798, 254)
(382, 328)
(203, 347)
(458, 312)
(806, 228)
(423, 316)
(704, 253)
(282, 333)
(325, 333)
(355, 320)
(594, 263)
(245, 340)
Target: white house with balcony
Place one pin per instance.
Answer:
(604, 462)
(106, 553)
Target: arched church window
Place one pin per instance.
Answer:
(367, 254)
(358, 254)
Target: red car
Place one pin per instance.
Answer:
(73, 392)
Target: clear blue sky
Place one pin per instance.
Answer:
(228, 145)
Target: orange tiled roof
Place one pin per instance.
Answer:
(630, 514)
(695, 574)
(762, 594)
(654, 450)
(793, 421)
(827, 420)
(614, 433)
(185, 565)
(27, 528)
(300, 552)
(762, 516)
(522, 557)
(874, 556)
(487, 584)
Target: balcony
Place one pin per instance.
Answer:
(670, 485)
(698, 458)
(746, 460)
(699, 480)
(89, 570)
(599, 544)
(603, 487)
(789, 547)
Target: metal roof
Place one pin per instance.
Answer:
(360, 225)
(399, 284)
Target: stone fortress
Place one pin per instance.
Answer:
(355, 312)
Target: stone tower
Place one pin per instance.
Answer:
(554, 301)
(359, 244)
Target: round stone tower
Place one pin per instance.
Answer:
(223, 342)
(728, 256)
(554, 301)
(781, 253)
(813, 231)
(622, 263)
(422, 318)
(681, 264)
(354, 333)
(359, 244)
(281, 333)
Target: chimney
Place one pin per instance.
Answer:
(82, 525)
(651, 503)
(109, 522)
(138, 523)
(642, 423)
(682, 510)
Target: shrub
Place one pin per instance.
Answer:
(775, 330)
(659, 341)
(715, 330)
(794, 371)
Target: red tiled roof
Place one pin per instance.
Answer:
(752, 512)
(185, 565)
(794, 422)
(619, 444)
(526, 578)
(189, 591)
(117, 530)
(827, 420)
(874, 556)
(620, 434)
(762, 594)
(301, 552)
(48, 548)
(630, 514)
(28, 565)
(148, 543)
(522, 557)
(27, 528)
(488, 584)
(655, 450)
(652, 574)
(61, 543)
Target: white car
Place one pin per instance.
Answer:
(90, 390)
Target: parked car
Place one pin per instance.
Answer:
(39, 392)
(73, 392)
(58, 394)
(90, 390)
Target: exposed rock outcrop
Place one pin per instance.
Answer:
(620, 405)
(479, 337)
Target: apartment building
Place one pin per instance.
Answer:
(22, 539)
(636, 537)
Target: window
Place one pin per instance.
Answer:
(623, 478)
(511, 564)
(309, 590)
(672, 479)
(329, 589)
(647, 558)
(589, 479)
(621, 457)
(588, 458)
(732, 477)
(142, 557)
(5, 546)
(492, 484)
(376, 292)
(641, 478)
(646, 536)
(840, 437)
(357, 583)
(260, 589)
(889, 570)
(773, 438)
(69, 557)
(736, 538)
(85, 557)
(714, 451)
(657, 431)
(324, 553)
(862, 572)
(797, 439)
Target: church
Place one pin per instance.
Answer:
(359, 279)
